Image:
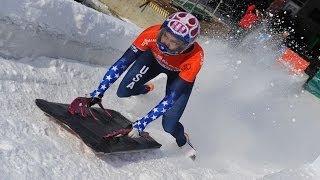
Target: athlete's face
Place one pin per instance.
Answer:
(170, 41)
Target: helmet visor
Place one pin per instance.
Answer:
(169, 43)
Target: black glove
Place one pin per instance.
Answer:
(93, 101)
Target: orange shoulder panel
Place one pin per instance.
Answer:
(149, 34)
(192, 66)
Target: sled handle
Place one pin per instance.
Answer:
(122, 132)
(116, 133)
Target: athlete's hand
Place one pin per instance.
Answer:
(94, 101)
(81, 105)
(134, 133)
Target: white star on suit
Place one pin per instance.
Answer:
(155, 110)
(154, 117)
(103, 87)
(114, 68)
(165, 103)
(97, 94)
(108, 77)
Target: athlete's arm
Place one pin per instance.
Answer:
(115, 71)
(165, 104)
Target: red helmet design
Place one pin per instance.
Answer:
(184, 25)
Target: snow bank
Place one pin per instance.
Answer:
(61, 28)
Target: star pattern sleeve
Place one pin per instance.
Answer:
(165, 104)
(115, 71)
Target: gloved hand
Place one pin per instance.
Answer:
(81, 105)
(134, 133)
(93, 101)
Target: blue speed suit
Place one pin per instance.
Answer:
(144, 69)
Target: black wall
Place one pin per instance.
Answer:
(308, 19)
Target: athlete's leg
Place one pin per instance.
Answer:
(170, 120)
(143, 70)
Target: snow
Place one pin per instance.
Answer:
(248, 117)
(61, 29)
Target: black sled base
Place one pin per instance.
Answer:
(91, 131)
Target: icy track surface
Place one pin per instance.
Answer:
(248, 117)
